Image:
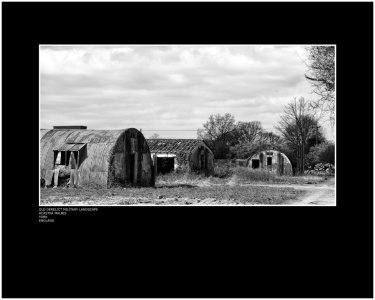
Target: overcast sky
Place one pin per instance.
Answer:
(168, 87)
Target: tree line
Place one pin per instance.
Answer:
(300, 136)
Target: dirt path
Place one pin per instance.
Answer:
(316, 194)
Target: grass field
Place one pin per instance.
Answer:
(187, 189)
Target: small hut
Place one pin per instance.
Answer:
(104, 157)
(173, 154)
(271, 160)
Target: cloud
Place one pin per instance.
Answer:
(167, 87)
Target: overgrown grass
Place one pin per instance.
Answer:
(232, 185)
(233, 175)
(248, 175)
(172, 195)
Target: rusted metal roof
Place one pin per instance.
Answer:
(173, 145)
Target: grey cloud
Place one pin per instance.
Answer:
(169, 87)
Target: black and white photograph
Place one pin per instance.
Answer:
(187, 125)
(187, 150)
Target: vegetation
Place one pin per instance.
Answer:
(321, 75)
(155, 136)
(299, 129)
(171, 195)
(218, 132)
(322, 153)
(297, 125)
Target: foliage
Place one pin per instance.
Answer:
(258, 140)
(297, 126)
(321, 169)
(248, 132)
(218, 132)
(249, 174)
(321, 75)
(217, 127)
(223, 170)
(322, 153)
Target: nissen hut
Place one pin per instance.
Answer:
(191, 154)
(271, 160)
(103, 157)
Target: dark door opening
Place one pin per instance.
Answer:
(255, 163)
(269, 161)
(165, 164)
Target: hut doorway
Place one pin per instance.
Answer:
(165, 164)
(255, 163)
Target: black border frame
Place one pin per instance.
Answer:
(263, 252)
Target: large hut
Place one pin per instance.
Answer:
(173, 154)
(271, 160)
(104, 157)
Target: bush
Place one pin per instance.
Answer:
(321, 169)
(323, 153)
(223, 171)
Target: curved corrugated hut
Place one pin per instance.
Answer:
(271, 160)
(171, 154)
(105, 157)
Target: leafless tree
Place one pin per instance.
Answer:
(218, 132)
(155, 136)
(296, 126)
(321, 75)
(255, 140)
(269, 138)
(217, 127)
(248, 132)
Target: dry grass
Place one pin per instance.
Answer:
(188, 189)
(170, 195)
(234, 176)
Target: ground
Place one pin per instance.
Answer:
(314, 194)
(209, 191)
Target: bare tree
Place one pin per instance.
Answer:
(218, 132)
(217, 127)
(254, 139)
(321, 75)
(297, 125)
(154, 136)
(269, 139)
(248, 132)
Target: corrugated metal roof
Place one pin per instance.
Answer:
(42, 132)
(173, 145)
(63, 147)
(77, 147)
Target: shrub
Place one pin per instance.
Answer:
(223, 171)
(322, 153)
(321, 169)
